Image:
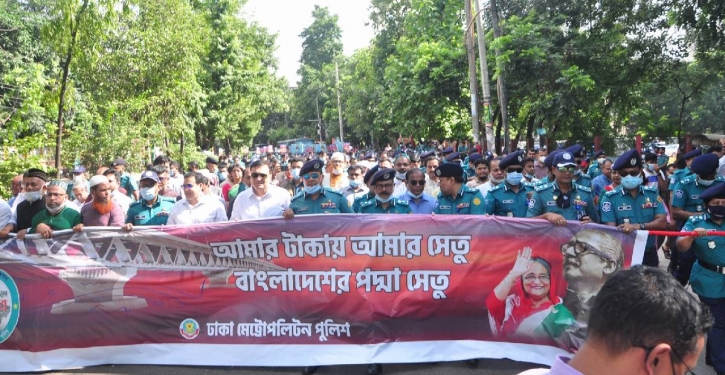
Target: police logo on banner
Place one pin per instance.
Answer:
(607, 206)
(9, 306)
(189, 329)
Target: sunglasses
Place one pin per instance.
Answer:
(259, 175)
(570, 169)
(311, 176)
(417, 182)
(514, 170)
(630, 173)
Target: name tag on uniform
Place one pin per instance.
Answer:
(462, 205)
(444, 207)
(302, 209)
(328, 205)
(624, 208)
(551, 203)
(696, 196)
(509, 201)
(140, 217)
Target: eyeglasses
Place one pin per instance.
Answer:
(514, 170)
(648, 350)
(188, 186)
(259, 175)
(313, 176)
(570, 169)
(630, 173)
(417, 182)
(163, 178)
(543, 278)
(582, 248)
(385, 187)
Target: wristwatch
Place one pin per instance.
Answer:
(641, 226)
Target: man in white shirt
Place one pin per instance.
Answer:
(196, 207)
(495, 176)
(431, 180)
(401, 166)
(119, 198)
(263, 199)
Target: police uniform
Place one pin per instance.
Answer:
(549, 198)
(595, 169)
(502, 200)
(467, 201)
(548, 163)
(680, 174)
(140, 213)
(374, 206)
(127, 183)
(581, 178)
(619, 207)
(328, 201)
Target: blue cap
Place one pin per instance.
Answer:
(705, 165)
(713, 192)
(564, 158)
(369, 155)
(514, 158)
(149, 175)
(449, 170)
(385, 174)
(693, 153)
(426, 155)
(598, 154)
(447, 150)
(629, 159)
(370, 173)
(576, 150)
(549, 161)
(414, 157)
(79, 169)
(474, 156)
(314, 165)
(453, 156)
(488, 155)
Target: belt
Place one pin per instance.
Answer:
(712, 267)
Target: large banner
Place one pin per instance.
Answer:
(314, 290)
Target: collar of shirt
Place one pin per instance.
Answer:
(561, 367)
(322, 192)
(423, 198)
(158, 202)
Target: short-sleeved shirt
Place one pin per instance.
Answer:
(140, 213)
(619, 207)
(503, 201)
(128, 183)
(687, 193)
(594, 170)
(583, 180)
(581, 202)
(328, 202)
(65, 219)
(705, 282)
(426, 205)
(360, 200)
(466, 202)
(678, 176)
(396, 206)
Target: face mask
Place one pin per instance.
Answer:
(354, 184)
(172, 173)
(601, 160)
(55, 211)
(337, 172)
(225, 175)
(32, 196)
(514, 178)
(529, 176)
(651, 167)
(415, 196)
(704, 182)
(147, 193)
(400, 175)
(541, 159)
(78, 178)
(383, 200)
(296, 173)
(312, 189)
(631, 182)
(718, 212)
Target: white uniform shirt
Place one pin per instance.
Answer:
(248, 206)
(123, 200)
(207, 210)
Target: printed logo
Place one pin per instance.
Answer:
(607, 206)
(532, 203)
(566, 156)
(189, 329)
(476, 201)
(633, 161)
(9, 306)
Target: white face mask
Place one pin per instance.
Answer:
(78, 178)
(541, 159)
(601, 160)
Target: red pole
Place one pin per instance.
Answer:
(688, 143)
(597, 142)
(638, 142)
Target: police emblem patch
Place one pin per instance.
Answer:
(189, 329)
(711, 244)
(317, 165)
(476, 201)
(607, 206)
(532, 203)
(438, 172)
(633, 161)
(678, 193)
(9, 305)
(386, 176)
(566, 156)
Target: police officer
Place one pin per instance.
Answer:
(510, 198)
(384, 203)
(686, 203)
(708, 273)
(455, 197)
(316, 199)
(562, 199)
(580, 178)
(127, 183)
(414, 160)
(632, 206)
(595, 168)
(151, 209)
(371, 192)
(680, 174)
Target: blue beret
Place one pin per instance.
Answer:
(629, 159)
(514, 158)
(549, 161)
(426, 155)
(598, 154)
(576, 150)
(453, 156)
(79, 169)
(414, 157)
(314, 165)
(474, 156)
(447, 150)
(385, 174)
(449, 170)
(369, 155)
(705, 165)
(693, 153)
(713, 192)
(563, 158)
(488, 155)
(369, 174)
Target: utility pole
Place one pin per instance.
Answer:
(501, 83)
(487, 118)
(339, 106)
(473, 84)
(319, 121)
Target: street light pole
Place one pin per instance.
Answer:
(339, 106)
(473, 84)
(483, 62)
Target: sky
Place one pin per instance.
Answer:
(288, 18)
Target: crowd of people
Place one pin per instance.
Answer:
(633, 192)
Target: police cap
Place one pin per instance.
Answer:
(563, 159)
(598, 154)
(426, 155)
(514, 158)
(211, 160)
(118, 161)
(370, 173)
(149, 175)
(713, 192)
(449, 170)
(314, 165)
(693, 153)
(474, 156)
(385, 174)
(453, 157)
(447, 150)
(629, 159)
(488, 155)
(705, 165)
(414, 157)
(549, 160)
(79, 169)
(576, 150)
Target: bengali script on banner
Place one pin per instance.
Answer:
(333, 289)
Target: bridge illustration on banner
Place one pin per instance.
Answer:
(96, 264)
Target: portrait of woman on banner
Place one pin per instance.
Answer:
(524, 306)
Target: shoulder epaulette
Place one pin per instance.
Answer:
(583, 188)
(401, 202)
(543, 186)
(650, 188)
(497, 187)
(367, 203)
(298, 195)
(169, 199)
(687, 180)
(134, 203)
(328, 190)
(611, 192)
(467, 189)
(696, 219)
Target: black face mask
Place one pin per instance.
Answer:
(563, 201)
(717, 212)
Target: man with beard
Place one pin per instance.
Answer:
(495, 176)
(432, 187)
(34, 181)
(55, 216)
(116, 195)
(589, 259)
(401, 166)
(100, 211)
(480, 168)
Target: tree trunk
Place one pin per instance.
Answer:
(501, 82)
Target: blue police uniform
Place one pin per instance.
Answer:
(140, 213)
(396, 206)
(467, 201)
(546, 196)
(360, 200)
(687, 193)
(503, 201)
(594, 170)
(328, 202)
(583, 180)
